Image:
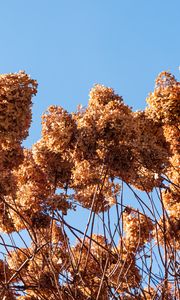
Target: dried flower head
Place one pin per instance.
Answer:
(138, 228)
(58, 129)
(164, 102)
(57, 166)
(16, 91)
(32, 183)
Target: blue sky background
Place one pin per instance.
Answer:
(68, 45)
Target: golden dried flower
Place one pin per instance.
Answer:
(172, 135)
(98, 197)
(169, 230)
(171, 198)
(124, 274)
(58, 129)
(32, 183)
(138, 228)
(57, 166)
(90, 257)
(11, 157)
(101, 95)
(16, 91)
(164, 102)
(5, 272)
(82, 157)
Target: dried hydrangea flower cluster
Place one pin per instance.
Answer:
(138, 228)
(80, 160)
(16, 92)
(164, 106)
(164, 109)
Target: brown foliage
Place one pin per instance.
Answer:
(86, 159)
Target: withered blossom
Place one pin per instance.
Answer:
(138, 230)
(16, 91)
(86, 158)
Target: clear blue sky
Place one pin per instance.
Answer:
(68, 45)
